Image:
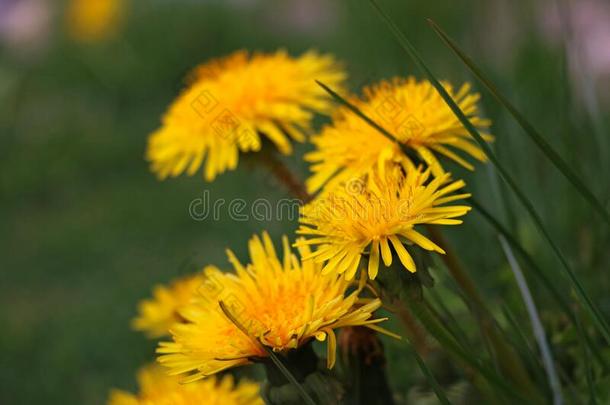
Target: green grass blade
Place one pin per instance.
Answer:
(438, 330)
(537, 271)
(537, 328)
(278, 363)
(520, 341)
(588, 369)
(341, 100)
(356, 111)
(453, 326)
(438, 390)
(529, 129)
(412, 52)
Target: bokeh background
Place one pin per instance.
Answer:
(86, 230)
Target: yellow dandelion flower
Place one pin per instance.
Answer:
(414, 113)
(231, 102)
(158, 388)
(158, 314)
(281, 305)
(348, 223)
(94, 20)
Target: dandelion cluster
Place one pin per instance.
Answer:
(374, 198)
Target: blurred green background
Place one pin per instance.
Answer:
(87, 230)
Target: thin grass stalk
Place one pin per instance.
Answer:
(524, 346)
(538, 329)
(417, 337)
(284, 370)
(504, 204)
(588, 370)
(537, 271)
(529, 129)
(367, 119)
(438, 390)
(451, 324)
(507, 359)
(468, 359)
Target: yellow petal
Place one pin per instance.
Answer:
(386, 253)
(422, 241)
(374, 260)
(331, 349)
(405, 257)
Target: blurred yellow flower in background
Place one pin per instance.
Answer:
(382, 210)
(158, 314)
(414, 113)
(233, 101)
(281, 305)
(158, 388)
(94, 20)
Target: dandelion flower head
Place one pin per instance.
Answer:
(269, 304)
(414, 113)
(156, 387)
(350, 222)
(231, 102)
(157, 314)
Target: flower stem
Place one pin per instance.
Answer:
(300, 362)
(365, 367)
(417, 336)
(269, 158)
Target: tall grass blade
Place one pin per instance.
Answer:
(529, 129)
(438, 390)
(412, 52)
(537, 271)
(438, 330)
(356, 111)
(525, 349)
(278, 363)
(367, 119)
(588, 370)
(538, 329)
(453, 326)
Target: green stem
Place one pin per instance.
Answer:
(272, 162)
